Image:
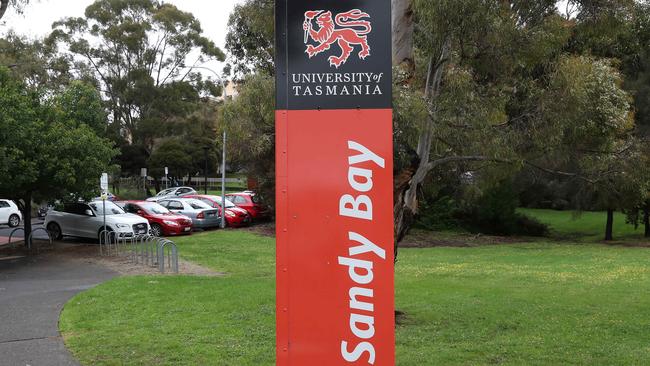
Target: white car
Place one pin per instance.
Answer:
(172, 193)
(9, 213)
(86, 220)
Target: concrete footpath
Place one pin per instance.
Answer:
(32, 293)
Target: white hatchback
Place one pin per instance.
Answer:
(9, 213)
(86, 220)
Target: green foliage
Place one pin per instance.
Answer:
(250, 122)
(528, 92)
(47, 158)
(37, 62)
(495, 212)
(81, 103)
(250, 38)
(140, 56)
(174, 154)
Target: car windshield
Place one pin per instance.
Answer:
(111, 208)
(154, 208)
(164, 193)
(218, 200)
(198, 205)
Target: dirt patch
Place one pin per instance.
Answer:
(400, 317)
(640, 244)
(264, 229)
(425, 239)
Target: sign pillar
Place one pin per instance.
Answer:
(103, 185)
(334, 183)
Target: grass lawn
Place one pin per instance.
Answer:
(521, 304)
(584, 226)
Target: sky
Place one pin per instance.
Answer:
(37, 19)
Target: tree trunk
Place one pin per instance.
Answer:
(3, 7)
(609, 228)
(403, 34)
(27, 215)
(156, 183)
(646, 219)
(408, 181)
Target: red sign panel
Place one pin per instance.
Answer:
(335, 292)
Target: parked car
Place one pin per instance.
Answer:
(235, 216)
(252, 203)
(86, 220)
(162, 221)
(42, 211)
(203, 216)
(109, 197)
(172, 193)
(9, 213)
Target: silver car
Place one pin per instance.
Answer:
(203, 216)
(86, 220)
(172, 193)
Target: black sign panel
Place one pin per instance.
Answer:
(333, 54)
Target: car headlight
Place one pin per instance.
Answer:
(230, 214)
(123, 226)
(170, 223)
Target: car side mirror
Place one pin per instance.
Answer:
(89, 212)
(140, 212)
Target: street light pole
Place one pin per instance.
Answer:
(223, 181)
(223, 164)
(205, 169)
(223, 158)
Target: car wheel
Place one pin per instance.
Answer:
(156, 230)
(55, 231)
(14, 220)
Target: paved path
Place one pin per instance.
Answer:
(32, 294)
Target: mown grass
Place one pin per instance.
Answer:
(522, 304)
(183, 320)
(584, 226)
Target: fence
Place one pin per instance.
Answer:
(197, 182)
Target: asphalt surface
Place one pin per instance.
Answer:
(5, 231)
(33, 291)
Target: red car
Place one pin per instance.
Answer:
(162, 221)
(252, 203)
(235, 216)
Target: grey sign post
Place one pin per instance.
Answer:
(143, 174)
(103, 185)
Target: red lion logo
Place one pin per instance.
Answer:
(351, 31)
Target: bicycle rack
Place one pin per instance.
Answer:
(12, 235)
(30, 238)
(172, 256)
(141, 249)
(107, 239)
